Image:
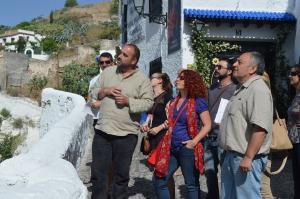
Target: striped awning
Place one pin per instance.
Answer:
(238, 15)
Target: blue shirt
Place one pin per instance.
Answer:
(180, 130)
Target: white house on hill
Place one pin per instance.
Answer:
(10, 38)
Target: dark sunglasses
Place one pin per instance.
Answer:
(293, 73)
(219, 67)
(106, 62)
(180, 77)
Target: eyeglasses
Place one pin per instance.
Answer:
(219, 67)
(181, 77)
(106, 62)
(293, 73)
(154, 77)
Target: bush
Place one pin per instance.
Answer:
(37, 83)
(70, 3)
(76, 77)
(8, 146)
(17, 123)
(5, 113)
(49, 45)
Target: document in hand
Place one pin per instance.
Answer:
(221, 110)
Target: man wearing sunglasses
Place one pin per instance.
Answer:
(104, 60)
(222, 89)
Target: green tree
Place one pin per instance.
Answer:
(114, 8)
(51, 17)
(76, 77)
(23, 25)
(21, 44)
(70, 3)
(49, 45)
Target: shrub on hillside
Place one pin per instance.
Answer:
(49, 45)
(71, 3)
(37, 83)
(5, 113)
(76, 77)
(17, 123)
(8, 145)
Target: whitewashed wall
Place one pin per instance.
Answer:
(48, 170)
(297, 36)
(151, 38)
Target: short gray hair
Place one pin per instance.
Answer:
(258, 60)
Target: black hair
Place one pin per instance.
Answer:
(229, 58)
(106, 54)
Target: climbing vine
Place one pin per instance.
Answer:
(205, 51)
(281, 85)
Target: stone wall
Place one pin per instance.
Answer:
(48, 169)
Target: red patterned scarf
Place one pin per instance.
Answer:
(164, 146)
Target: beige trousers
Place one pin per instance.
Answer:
(266, 192)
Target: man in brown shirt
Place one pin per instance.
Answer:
(124, 92)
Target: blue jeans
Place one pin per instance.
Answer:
(184, 158)
(236, 184)
(213, 155)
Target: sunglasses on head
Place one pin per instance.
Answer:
(106, 62)
(293, 73)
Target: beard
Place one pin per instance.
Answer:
(221, 77)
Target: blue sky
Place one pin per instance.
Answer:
(13, 12)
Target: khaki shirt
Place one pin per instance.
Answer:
(123, 120)
(250, 105)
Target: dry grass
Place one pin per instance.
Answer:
(93, 14)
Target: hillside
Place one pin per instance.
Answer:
(91, 14)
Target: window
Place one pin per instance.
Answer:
(155, 66)
(124, 25)
(4, 40)
(12, 40)
(155, 8)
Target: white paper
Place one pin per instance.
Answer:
(221, 110)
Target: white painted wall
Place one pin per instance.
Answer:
(297, 36)
(152, 38)
(48, 170)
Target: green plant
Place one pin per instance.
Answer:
(21, 43)
(49, 45)
(8, 145)
(17, 123)
(76, 77)
(5, 113)
(70, 3)
(110, 30)
(205, 51)
(280, 84)
(37, 83)
(114, 7)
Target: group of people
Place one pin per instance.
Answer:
(198, 130)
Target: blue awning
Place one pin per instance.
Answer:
(238, 15)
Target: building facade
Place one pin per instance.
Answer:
(165, 41)
(10, 39)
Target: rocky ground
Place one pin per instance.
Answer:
(140, 185)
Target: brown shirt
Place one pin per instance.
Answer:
(123, 120)
(250, 105)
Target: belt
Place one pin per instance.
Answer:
(257, 156)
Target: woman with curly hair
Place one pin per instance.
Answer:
(181, 146)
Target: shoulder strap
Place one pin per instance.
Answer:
(179, 114)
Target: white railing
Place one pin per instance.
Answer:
(48, 170)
